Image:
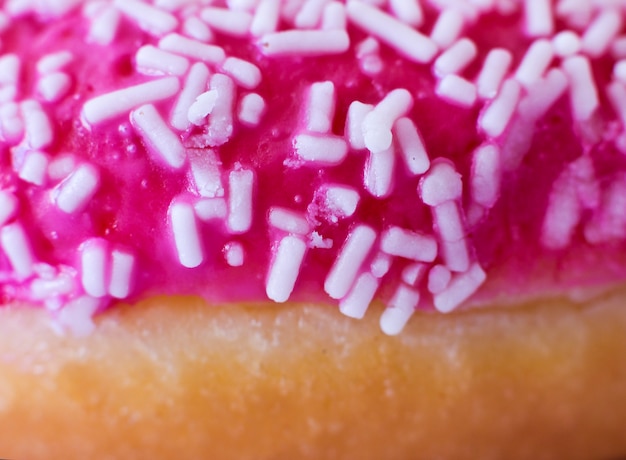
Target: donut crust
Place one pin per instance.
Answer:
(173, 378)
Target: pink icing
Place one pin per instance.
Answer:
(447, 181)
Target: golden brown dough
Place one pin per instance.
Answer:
(171, 378)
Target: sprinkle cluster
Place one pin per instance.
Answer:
(370, 209)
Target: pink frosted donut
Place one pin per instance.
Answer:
(199, 199)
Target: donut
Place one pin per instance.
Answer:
(312, 229)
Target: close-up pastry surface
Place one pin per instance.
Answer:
(200, 199)
(540, 381)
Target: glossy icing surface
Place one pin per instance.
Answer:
(418, 153)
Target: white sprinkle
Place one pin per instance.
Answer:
(155, 132)
(75, 192)
(186, 234)
(201, 107)
(288, 221)
(413, 273)
(447, 28)
(61, 166)
(221, 119)
(206, 172)
(19, 7)
(325, 149)
(542, 95)
(457, 90)
(400, 309)
(285, 268)
(598, 37)
(539, 18)
(379, 172)
(11, 122)
(495, 67)
(122, 273)
(399, 242)
(576, 13)
(251, 108)
(117, 103)
(37, 126)
(266, 17)
(367, 47)
(616, 92)
(497, 114)
(456, 58)
(240, 187)
(357, 111)
(575, 189)
(341, 201)
(609, 221)
(8, 206)
(348, 263)
(461, 288)
(321, 107)
(151, 60)
(35, 167)
(451, 230)
(211, 208)
(485, 175)
(310, 14)
(76, 315)
(289, 10)
(94, 261)
(104, 26)
(584, 178)
(507, 7)
(535, 62)
(377, 124)
(234, 254)
(355, 303)
(147, 17)
(175, 43)
(93, 8)
(5, 21)
(368, 55)
(334, 16)
(411, 146)
(229, 22)
(247, 5)
(195, 85)
(195, 28)
(381, 264)
(399, 36)
(442, 183)
(54, 86)
(10, 65)
(50, 287)
(54, 62)
(305, 43)
(408, 11)
(566, 43)
(583, 90)
(173, 5)
(243, 72)
(17, 247)
(438, 279)
(563, 213)
(619, 70)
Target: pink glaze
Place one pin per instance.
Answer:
(309, 152)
